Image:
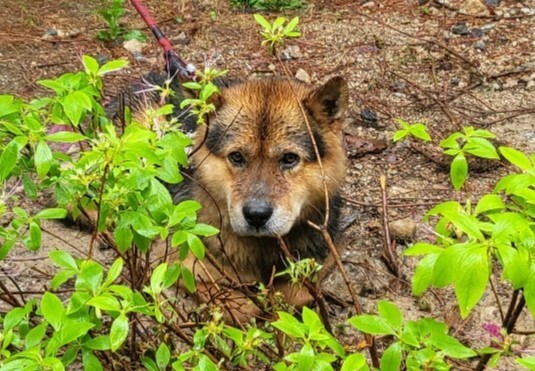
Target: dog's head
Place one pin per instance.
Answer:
(259, 160)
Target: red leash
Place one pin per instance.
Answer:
(173, 63)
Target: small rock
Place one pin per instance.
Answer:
(455, 81)
(530, 86)
(135, 47)
(402, 229)
(367, 4)
(181, 39)
(527, 11)
(487, 27)
(272, 67)
(369, 117)
(460, 29)
(476, 33)
(492, 2)
(302, 75)
(480, 45)
(399, 85)
(474, 7)
(511, 83)
(291, 52)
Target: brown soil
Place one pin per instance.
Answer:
(401, 61)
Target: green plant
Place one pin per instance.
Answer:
(422, 344)
(112, 11)
(470, 142)
(273, 5)
(275, 33)
(417, 130)
(319, 349)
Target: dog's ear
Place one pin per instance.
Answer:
(328, 102)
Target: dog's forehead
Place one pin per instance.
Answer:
(262, 117)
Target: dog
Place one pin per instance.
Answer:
(263, 165)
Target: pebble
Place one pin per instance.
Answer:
(402, 229)
(302, 75)
(181, 39)
(480, 45)
(487, 27)
(476, 33)
(474, 7)
(492, 2)
(291, 52)
(460, 29)
(369, 117)
(135, 47)
(56, 33)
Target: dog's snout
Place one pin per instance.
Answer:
(257, 213)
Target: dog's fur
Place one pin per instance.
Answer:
(258, 176)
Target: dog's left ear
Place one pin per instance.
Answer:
(328, 103)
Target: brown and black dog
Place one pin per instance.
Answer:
(258, 178)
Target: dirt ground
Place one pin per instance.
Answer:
(437, 62)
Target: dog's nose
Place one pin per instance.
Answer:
(257, 213)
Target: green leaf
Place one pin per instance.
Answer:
(35, 236)
(196, 246)
(105, 302)
(262, 21)
(118, 332)
(52, 310)
(163, 356)
(450, 346)
(65, 137)
(52, 213)
(35, 336)
(420, 132)
(98, 343)
(91, 362)
(112, 66)
(458, 171)
(372, 325)
(63, 259)
(156, 278)
(13, 317)
(354, 362)
(466, 223)
(114, 272)
(451, 141)
(189, 279)
(422, 248)
(529, 291)
(472, 276)
(400, 134)
(423, 275)
(528, 362)
(74, 105)
(516, 264)
(481, 147)
(204, 230)
(291, 25)
(8, 159)
(90, 64)
(489, 202)
(42, 159)
(391, 313)
(516, 157)
(391, 359)
(289, 325)
(123, 236)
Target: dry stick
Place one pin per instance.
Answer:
(356, 304)
(495, 293)
(323, 229)
(13, 301)
(387, 253)
(101, 192)
(314, 290)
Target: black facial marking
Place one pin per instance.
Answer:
(217, 138)
(330, 107)
(305, 142)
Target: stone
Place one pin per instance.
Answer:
(480, 45)
(302, 75)
(135, 47)
(460, 29)
(474, 7)
(402, 229)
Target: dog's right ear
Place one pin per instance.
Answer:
(329, 102)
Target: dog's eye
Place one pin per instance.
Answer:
(288, 161)
(236, 159)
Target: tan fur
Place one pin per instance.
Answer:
(263, 118)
